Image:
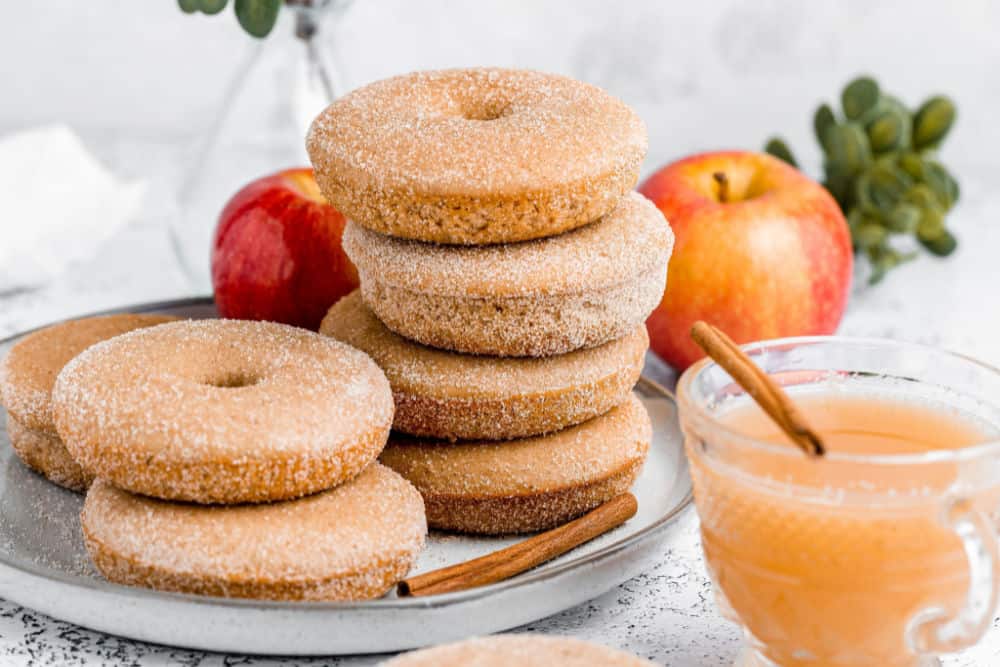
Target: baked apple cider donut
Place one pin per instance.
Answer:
(476, 156)
(46, 454)
(519, 651)
(27, 375)
(520, 486)
(349, 543)
(442, 394)
(536, 298)
(223, 411)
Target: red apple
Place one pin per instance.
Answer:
(276, 254)
(761, 252)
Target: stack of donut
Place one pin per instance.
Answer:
(507, 269)
(223, 457)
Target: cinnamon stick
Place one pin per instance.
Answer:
(759, 385)
(525, 555)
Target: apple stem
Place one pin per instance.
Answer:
(723, 181)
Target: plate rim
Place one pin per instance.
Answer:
(416, 602)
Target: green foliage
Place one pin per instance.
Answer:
(823, 120)
(879, 165)
(859, 96)
(932, 122)
(212, 6)
(779, 149)
(257, 17)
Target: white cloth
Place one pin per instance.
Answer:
(58, 204)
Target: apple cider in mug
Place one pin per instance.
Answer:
(841, 579)
(882, 552)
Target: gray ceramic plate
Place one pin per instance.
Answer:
(44, 566)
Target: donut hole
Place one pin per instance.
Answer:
(233, 380)
(485, 110)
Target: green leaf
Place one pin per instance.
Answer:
(921, 196)
(912, 164)
(870, 233)
(848, 147)
(882, 261)
(257, 16)
(859, 96)
(890, 178)
(839, 181)
(823, 120)
(941, 183)
(932, 122)
(954, 189)
(888, 131)
(212, 6)
(903, 219)
(780, 150)
(943, 245)
(931, 227)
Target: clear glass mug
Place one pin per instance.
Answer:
(883, 560)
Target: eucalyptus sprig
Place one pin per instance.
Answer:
(256, 16)
(880, 165)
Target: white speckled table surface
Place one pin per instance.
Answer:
(666, 614)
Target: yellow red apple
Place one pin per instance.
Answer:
(276, 253)
(761, 251)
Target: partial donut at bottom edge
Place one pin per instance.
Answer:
(523, 650)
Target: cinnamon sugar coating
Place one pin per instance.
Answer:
(27, 375)
(536, 298)
(525, 485)
(223, 411)
(29, 370)
(47, 455)
(519, 651)
(476, 156)
(442, 394)
(350, 543)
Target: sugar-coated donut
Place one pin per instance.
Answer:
(519, 651)
(476, 156)
(27, 375)
(28, 372)
(442, 394)
(223, 411)
(519, 486)
(349, 543)
(46, 454)
(535, 298)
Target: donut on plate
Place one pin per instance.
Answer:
(352, 542)
(476, 156)
(537, 298)
(442, 394)
(526, 485)
(223, 411)
(27, 375)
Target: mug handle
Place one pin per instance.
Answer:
(932, 631)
